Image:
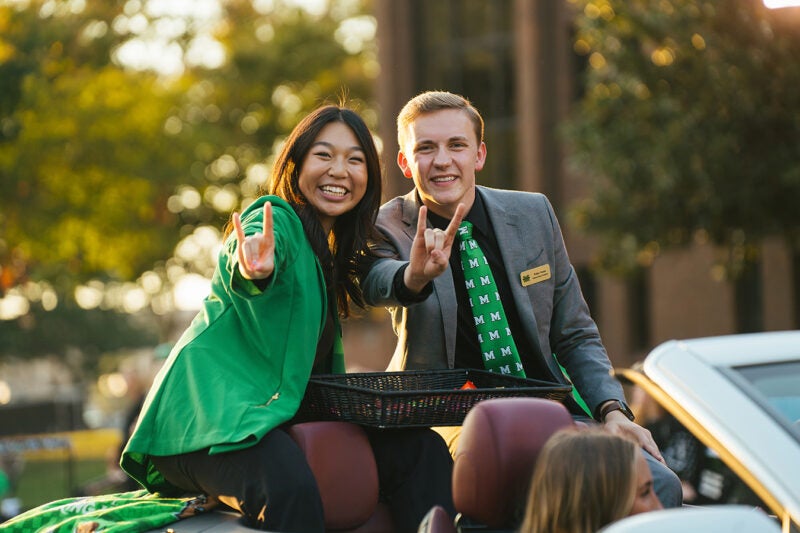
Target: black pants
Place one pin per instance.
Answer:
(271, 481)
(276, 489)
(415, 473)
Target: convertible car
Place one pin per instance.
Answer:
(733, 400)
(739, 397)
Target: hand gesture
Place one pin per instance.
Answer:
(256, 253)
(430, 251)
(619, 424)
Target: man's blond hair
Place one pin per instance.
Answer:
(431, 101)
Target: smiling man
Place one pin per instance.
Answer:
(495, 292)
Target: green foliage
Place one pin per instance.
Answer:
(282, 64)
(91, 194)
(85, 164)
(92, 332)
(105, 168)
(689, 126)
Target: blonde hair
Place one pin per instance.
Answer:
(584, 479)
(431, 101)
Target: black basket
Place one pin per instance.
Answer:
(419, 398)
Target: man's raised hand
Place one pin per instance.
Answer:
(256, 253)
(430, 251)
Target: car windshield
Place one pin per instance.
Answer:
(779, 383)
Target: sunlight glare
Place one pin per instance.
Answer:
(151, 282)
(205, 52)
(134, 300)
(113, 385)
(197, 9)
(355, 32)
(5, 393)
(164, 57)
(775, 4)
(190, 291)
(13, 306)
(312, 7)
(89, 296)
(49, 299)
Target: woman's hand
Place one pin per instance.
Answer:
(256, 253)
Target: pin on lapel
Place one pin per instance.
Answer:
(535, 275)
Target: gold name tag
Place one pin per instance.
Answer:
(535, 275)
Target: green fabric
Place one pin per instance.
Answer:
(126, 512)
(242, 366)
(494, 336)
(338, 350)
(575, 394)
(4, 483)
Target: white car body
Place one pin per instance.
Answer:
(727, 518)
(740, 396)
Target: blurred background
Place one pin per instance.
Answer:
(665, 132)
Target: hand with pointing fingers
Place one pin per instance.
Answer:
(430, 251)
(256, 253)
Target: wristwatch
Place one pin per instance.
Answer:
(615, 405)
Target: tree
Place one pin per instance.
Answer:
(85, 162)
(688, 124)
(109, 171)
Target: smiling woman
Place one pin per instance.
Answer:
(285, 275)
(334, 176)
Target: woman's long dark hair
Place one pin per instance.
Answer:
(345, 257)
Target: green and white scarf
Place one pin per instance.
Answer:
(124, 512)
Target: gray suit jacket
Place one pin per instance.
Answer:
(549, 299)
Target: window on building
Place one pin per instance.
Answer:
(638, 292)
(749, 300)
(466, 47)
(588, 282)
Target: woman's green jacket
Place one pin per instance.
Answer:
(242, 366)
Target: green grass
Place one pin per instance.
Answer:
(45, 481)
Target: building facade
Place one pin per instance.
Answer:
(513, 59)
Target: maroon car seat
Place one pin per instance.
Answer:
(341, 459)
(497, 450)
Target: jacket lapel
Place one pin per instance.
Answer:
(443, 288)
(509, 223)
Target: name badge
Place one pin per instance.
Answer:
(535, 275)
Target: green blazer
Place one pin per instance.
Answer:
(242, 366)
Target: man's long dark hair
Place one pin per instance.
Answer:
(346, 255)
